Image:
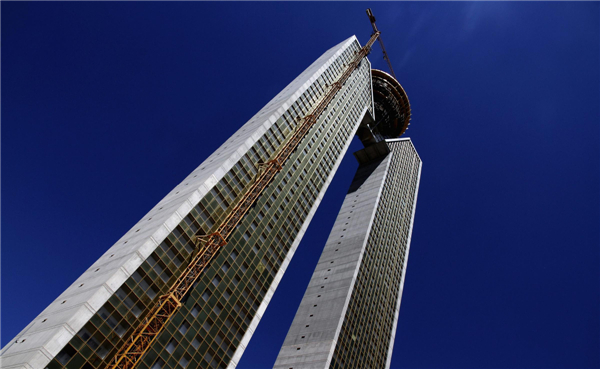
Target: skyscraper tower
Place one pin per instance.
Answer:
(188, 284)
(349, 312)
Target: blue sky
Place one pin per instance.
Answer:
(107, 106)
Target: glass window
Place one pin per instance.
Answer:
(190, 222)
(104, 314)
(120, 330)
(158, 364)
(177, 261)
(84, 334)
(208, 357)
(184, 327)
(136, 276)
(207, 324)
(93, 343)
(185, 360)
(151, 292)
(121, 294)
(65, 355)
(204, 216)
(102, 352)
(196, 343)
(171, 346)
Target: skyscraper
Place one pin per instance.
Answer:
(349, 313)
(188, 284)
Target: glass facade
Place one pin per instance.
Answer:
(209, 330)
(366, 336)
(348, 315)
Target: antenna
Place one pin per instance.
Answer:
(385, 55)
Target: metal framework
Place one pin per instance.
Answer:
(385, 55)
(392, 108)
(141, 339)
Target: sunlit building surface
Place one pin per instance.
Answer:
(89, 323)
(85, 325)
(349, 313)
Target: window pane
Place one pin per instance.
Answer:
(171, 346)
(184, 327)
(184, 361)
(196, 343)
(158, 364)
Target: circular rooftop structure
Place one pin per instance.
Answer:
(392, 109)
